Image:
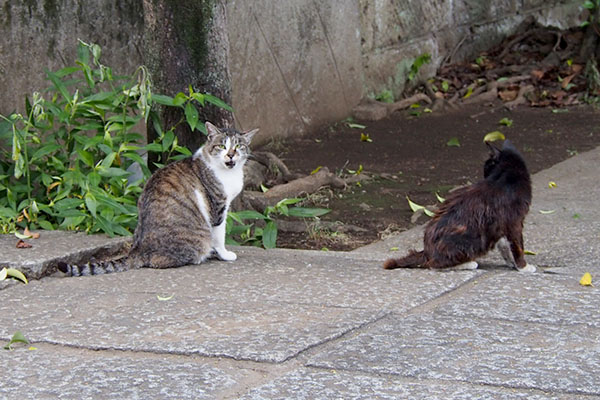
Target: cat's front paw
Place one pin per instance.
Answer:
(226, 255)
(528, 269)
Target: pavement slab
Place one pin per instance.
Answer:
(551, 358)
(266, 307)
(317, 325)
(53, 246)
(314, 383)
(49, 372)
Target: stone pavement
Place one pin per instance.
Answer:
(284, 324)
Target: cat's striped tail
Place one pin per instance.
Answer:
(95, 267)
(414, 259)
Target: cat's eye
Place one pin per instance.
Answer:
(221, 146)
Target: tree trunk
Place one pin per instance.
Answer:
(186, 43)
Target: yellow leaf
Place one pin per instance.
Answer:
(394, 248)
(529, 252)
(364, 137)
(551, 184)
(32, 348)
(493, 136)
(165, 298)
(15, 273)
(314, 171)
(586, 279)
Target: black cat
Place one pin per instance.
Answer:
(475, 218)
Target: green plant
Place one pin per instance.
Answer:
(421, 60)
(72, 152)
(385, 96)
(240, 232)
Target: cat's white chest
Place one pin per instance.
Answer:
(232, 181)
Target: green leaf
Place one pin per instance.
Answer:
(167, 140)
(306, 212)
(493, 136)
(416, 207)
(112, 172)
(250, 214)
(180, 99)
(15, 273)
(269, 236)
(18, 337)
(356, 126)
(506, 121)
(91, 203)
(162, 99)
(86, 157)
(3, 274)
(453, 142)
(59, 85)
(191, 115)
(45, 150)
(217, 102)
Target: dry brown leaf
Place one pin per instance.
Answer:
(21, 244)
(34, 235)
(567, 80)
(576, 68)
(537, 74)
(508, 95)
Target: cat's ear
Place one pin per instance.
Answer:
(211, 130)
(249, 134)
(494, 151)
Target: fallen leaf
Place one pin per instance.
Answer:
(364, 137)
(23, 245)
(493, 136)
(18, 337)
(160, 298)
(506, 121)
(537, 74)
(586, 279)
(394, 249)
(15, 273)
(439, 198)
(314, 171)
(547, 211)
(453, 142)
(508, 95)
(566, 80)
(27, 232)
(529, 252)
(551, 184)
(355, 126)
(416, 207)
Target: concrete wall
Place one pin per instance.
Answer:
(294, 64)
(38, 35)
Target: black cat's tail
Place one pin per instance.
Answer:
(95, 267)
(414, 259)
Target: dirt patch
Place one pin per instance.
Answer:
(413, 156)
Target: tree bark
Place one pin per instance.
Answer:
(186, 43)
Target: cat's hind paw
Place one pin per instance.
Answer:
(468, 266)
(528, 269)
(226, 255)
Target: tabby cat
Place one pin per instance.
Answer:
(475, 218)
(183, 208)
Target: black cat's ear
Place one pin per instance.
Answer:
(494, 151)
(211, 130)
(509, 146)
(249, 134)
